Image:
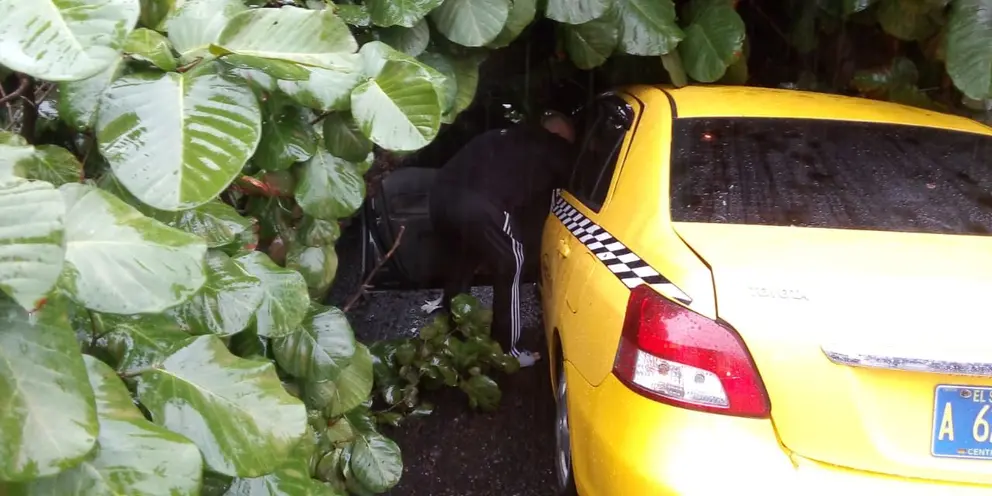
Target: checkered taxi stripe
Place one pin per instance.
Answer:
(623, 263)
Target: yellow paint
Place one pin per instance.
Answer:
(835, 429)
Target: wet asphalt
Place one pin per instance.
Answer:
(456, 451)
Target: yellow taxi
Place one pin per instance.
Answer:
(773, 291)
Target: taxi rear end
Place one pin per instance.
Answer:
(838, 339)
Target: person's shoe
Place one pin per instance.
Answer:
(528, 358)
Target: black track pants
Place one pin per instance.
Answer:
(475, 233)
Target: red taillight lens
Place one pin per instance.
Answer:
(673, 355)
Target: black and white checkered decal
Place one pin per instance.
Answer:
(623, 263)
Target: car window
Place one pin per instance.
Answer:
(831, 174)
(603, 128)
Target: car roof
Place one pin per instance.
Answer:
(749, 101)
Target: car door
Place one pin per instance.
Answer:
(606, 135)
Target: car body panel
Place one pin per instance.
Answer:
(832, 426)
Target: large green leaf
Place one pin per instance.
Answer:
(32, 240)
(327, 89)
(284, 300)
(120, 261)
(376, 462)
(521, 14)
(287, 138)
(647, 27)
(908, 20)
(472, 23)
(78, 100)
(225, 304)
(318, 232)
(591, 43)
(482, 392)
(48, 421)
(398, 108)
(411, 41)
(176, 141)
(713, 40)
(343, 138)
(576, 11)
(218, 223)
(290, 34)
(329, 187)
(150, 46)
(198, 23)
(60, 40)
(318, 264)
(351, 388)
(139, 341)
(320, 349)
(49, 163)
(467, 81)
(404, 13)
(290, 479)
(133, 455)
(447, 87)
(155, 12)
(969, 36)
(235, 410)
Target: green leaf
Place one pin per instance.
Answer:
(120, 261)
(57, 40)
(318, 232)
(343, 138)
(576, 11)
(49, 163)
(218, 223)
(376, 462)
(354, 14)
(12, 139)
(291, 479)
(854, 6)
(467, 81)
(285, 299)
(155, 12)
(521, 14)
(235, 410)
(134, 456)
(591, 43)
(225, 304)
(248, 344)
(318, 264)
(176, 141)
(969, 36)
(351, 388)
(321, 348)
(32, 240)
(713, 40)
(150, 46)
(908, 20)
(902, 71)
(287, 138)
(482, 392)
(277, 69)
(48, 422)
(78, 100)
(329, 187)
(411, 41)
(198, 23)
(647, 27)
(399, 109)
(672, 63)
(447, 87)
(472, 23)
(290, 34)
(327, 89)
(138, 341)
(405, 13)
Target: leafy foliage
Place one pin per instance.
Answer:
(179, 176)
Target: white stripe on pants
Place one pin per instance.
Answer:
(518, 258)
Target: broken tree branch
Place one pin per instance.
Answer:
(368, 279)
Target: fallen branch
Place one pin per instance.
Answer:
(368, 279)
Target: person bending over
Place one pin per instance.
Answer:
(488, 205)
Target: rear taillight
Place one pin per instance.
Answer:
(673, 355)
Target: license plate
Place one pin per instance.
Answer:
(962, 422)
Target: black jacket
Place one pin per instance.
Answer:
(516, 169)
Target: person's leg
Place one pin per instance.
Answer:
(506, 254)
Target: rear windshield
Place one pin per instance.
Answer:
(831, 174)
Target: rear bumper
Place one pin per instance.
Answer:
(624, 443)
